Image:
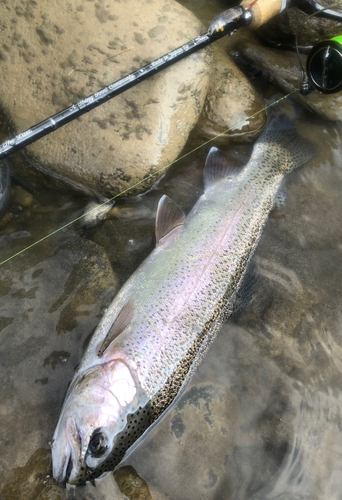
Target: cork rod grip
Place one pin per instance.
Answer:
(263, 10)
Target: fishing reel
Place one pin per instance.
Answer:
(324, 68)
(324, 61)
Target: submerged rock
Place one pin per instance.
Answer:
(51, 299)
(33, 480)
(283, 70)
(55, 55)
(131, 484)
(283, 28)
(230, 101)
(23, 197)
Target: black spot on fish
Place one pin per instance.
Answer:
(124, 440)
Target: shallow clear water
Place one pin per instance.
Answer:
(261, 418)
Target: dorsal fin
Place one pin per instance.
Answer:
(218, 167)
(121, 322)
(169, 216)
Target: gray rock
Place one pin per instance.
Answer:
(55, 55)
(283, 70)
(121, 143)
(230, 101)
(284, 27)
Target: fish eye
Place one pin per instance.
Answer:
(97, 445)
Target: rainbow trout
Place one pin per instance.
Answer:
(163, 319)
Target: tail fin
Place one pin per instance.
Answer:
(281, 147)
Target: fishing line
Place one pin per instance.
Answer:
(145, 179)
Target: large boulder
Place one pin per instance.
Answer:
(284, 27)
(54, 54)
(233, 109)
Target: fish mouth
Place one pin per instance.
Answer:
(80, 477)
(68, 470)
(61, 464)
(68, 464)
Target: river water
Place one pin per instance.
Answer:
(261, 419)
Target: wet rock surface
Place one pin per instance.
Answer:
(284, 27)
(231, 97)
(131, 484)
(56, 55)
(230, 102)
(51, 298)
(33, 480)
(126, 140)
(282, 69)
(22, 197)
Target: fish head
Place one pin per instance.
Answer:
(94, 414)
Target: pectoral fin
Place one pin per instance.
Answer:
(121, 323)
(169, 217)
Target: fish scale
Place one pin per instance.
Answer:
(197, 300)
(162, 321)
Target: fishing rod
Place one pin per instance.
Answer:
(224, 24)
(324, 70)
